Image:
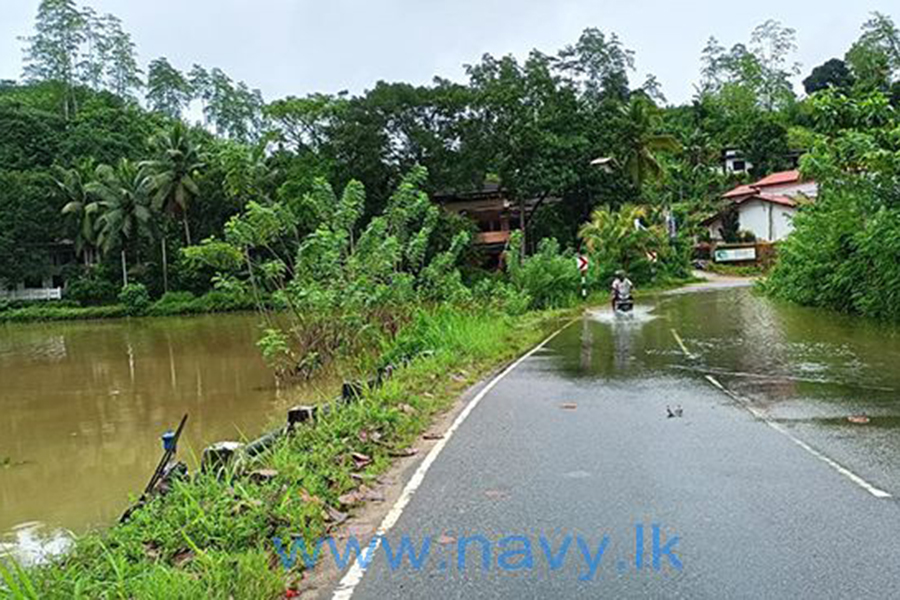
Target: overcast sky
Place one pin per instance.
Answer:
(294, 47)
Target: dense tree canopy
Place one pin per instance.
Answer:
(533, 124)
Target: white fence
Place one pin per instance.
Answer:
(32, 294)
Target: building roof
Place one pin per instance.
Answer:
(780, 178)
(773, 198)
(741, 190)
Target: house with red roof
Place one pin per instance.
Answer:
(765, 208)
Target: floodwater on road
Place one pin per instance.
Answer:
(82, 406)
(832, 380)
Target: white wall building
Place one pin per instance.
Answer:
(766, 208)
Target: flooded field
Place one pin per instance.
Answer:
(82, 406)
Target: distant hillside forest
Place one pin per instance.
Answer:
(100, 172)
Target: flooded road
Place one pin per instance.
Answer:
(833, 380)
(82, 406)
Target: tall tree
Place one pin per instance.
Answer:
(874, 58)
(171, 174)
(763, 68)
(81, 208)
(598, 64)
(95, 50)
(168, 90)
(51, 54)
(124, 209)
(830, 74)
(122, 72)
(232, 108)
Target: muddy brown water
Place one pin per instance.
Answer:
(82, 406)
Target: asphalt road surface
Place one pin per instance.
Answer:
(576, 444)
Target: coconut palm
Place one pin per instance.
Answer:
(642, 143)
(123, 202)
(80, 208)
(172, 174)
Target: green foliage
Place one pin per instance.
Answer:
(186, 303)
(550, 278)
(135, 298)
(168, 90)
(844, 252)
(49, 312)
(830, 74)
(91, 290)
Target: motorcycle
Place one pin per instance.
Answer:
(623, 305)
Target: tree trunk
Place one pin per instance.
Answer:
(522, 227)
(187, 229)
(124, 270)
(165, 265)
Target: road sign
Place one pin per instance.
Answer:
(582, 261)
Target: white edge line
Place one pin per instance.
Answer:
(877, 492)
(354, 575)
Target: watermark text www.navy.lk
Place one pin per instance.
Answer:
(648, 548)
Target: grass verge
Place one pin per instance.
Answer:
(212, 537)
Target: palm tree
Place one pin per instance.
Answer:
(171, 175)
(642, 142)
(618, 238)
(80, 208)
(124, 208)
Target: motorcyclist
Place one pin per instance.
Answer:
(621, 288)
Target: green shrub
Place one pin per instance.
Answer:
(48, 312)
(185, 303)
(135, 298)
(549, 277)
(91, 291)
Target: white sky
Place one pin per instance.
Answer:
(295, 47)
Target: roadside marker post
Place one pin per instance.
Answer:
(582, 261)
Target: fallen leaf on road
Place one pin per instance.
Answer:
(568, 406)
(446, 539)
(370, 494)
(404, 452)
(859, 419)
(333, 515)
(350, 498)
(361, 460)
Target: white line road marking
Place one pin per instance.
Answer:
(681, 343)
(877, 492)
(354, 575)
